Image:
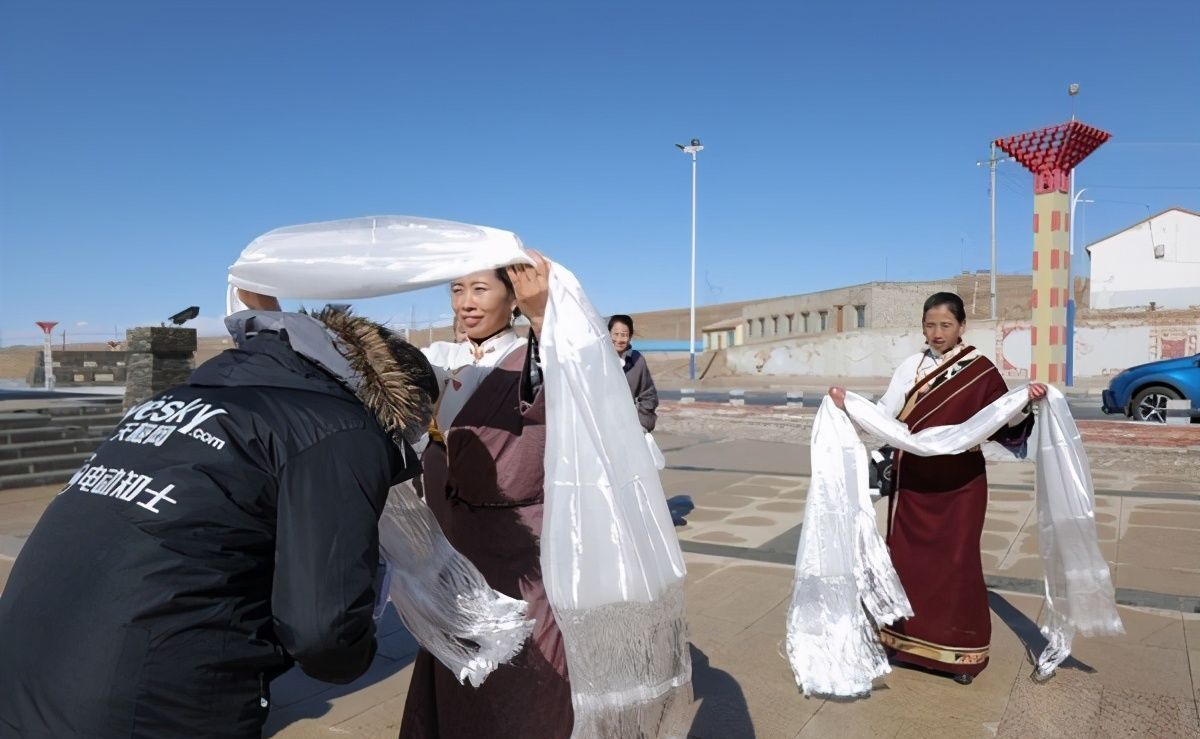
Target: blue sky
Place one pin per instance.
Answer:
(144, 144)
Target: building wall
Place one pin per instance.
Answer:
(900, 304)
(1102, 347)
(723, 338)
(883, 305)
(1126, 273)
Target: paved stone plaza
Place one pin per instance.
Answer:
(747, 472)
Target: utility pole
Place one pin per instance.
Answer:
(992, 190)
(992, 161)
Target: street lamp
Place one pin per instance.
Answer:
(1069, 368)
(692, 148)
(1075, 200)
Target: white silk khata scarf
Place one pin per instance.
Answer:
(845, 586)
(610, 557)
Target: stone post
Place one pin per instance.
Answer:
(158, 358)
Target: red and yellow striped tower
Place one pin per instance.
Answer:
(1050, 154)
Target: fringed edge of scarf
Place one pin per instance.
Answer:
(442, 598)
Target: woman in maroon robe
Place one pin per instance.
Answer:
(935, 516)
(484, 483)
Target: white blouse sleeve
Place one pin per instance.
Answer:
(892, 401)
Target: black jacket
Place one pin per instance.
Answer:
(226, 529)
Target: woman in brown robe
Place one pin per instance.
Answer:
(936, 515)
(484, 483)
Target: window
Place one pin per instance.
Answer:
(791, 323)
(729, 338)
(824, 316)
(804, 318)
(860, 316)
(762, 327)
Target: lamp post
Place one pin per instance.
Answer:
(1069, 368)
(992, 161)
(692, 148)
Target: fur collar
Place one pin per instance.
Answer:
(392, 378)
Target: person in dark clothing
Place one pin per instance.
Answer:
(225, 531)
(641, 384)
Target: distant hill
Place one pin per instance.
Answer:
(16, 361)
(672, 323)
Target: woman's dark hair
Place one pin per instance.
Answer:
(502, 275)
(951, 301)
(621, 318)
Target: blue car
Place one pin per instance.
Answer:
(1142, 392)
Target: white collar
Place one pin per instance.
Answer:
(492, 350)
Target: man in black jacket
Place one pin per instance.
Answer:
(227, 528)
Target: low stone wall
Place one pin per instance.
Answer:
(73, 367)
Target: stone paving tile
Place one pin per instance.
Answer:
(1191, 629)
(1006, 496)
(782, 506)
(1146, 516)
(1131, 713)
(1149, 627)
(719, 537)
(751, 490)
(742, 528)
(1177, 486)
(6, 564)
(1067, 706)
(1194, 659)
(749, 708)
(379, 722)
(669, 441)
(1132, 667)
(778, 481)
(689, 482)
(996, 525)
(1175, 582)
(740, 594)
(737, 612)
(17, 518)
(43, 493)
(701, 516)
(722, 501)
(385, 681)
(710, 634)
(755, 457)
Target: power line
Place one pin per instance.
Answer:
(1010, 182)
(1147, 187)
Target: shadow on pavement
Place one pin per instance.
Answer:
(1027, 631)
(723, 711)
(296, 696)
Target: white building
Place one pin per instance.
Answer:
(1154, 261)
